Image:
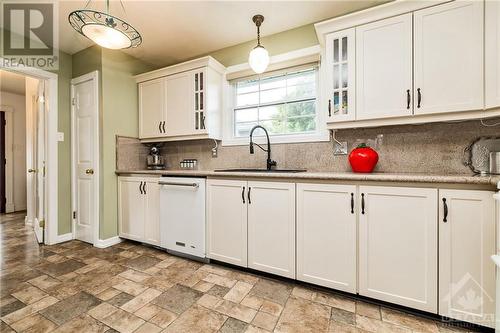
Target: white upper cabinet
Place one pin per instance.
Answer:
(152, 108)
(271, 227)
(181, 102)
(448, 55)
(398, 245)
(340, 75)
(492, 53)
(326, 235)
(384, 68)
(466, 242)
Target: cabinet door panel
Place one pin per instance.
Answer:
(398, 246)
(326, 235)
(130, 208)
(152, 212)
(227, 221)
(466, 242)
(492, 53)
(151, 108)
(271, 228)
(449, 57)
(180, 115)
(384, 68)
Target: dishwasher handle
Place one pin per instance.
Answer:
(179, 184)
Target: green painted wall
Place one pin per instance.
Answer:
(64, 147)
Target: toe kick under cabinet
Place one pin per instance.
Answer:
(423, 248)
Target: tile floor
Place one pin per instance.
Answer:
(74, 287)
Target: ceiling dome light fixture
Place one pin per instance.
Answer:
(259, 57)
(103, 29)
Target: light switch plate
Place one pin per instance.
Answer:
(60, 136)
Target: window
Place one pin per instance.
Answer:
(283, 103)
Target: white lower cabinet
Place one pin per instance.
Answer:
(139, 209)
(398, 245)
(326, 235)
(271, 227)
(466, 242)
(227, 221)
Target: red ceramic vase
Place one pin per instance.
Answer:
(363, 159)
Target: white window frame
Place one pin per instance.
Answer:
(229, 139)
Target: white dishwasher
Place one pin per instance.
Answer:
(182, 215)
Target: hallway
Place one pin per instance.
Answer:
(74, 287)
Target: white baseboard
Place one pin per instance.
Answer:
(64, 238)
(103, 243)
(29, 223)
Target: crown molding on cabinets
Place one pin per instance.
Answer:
(207, 61)
(384, 11)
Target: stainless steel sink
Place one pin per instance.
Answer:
(262, 170)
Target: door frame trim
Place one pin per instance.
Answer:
(51, 145)
(9, 157)
(92, 76)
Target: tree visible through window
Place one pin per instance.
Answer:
(283, 104)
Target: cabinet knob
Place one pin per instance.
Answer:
(31, 170)
(89, 171)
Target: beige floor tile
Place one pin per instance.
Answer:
(220, 280)
(148, 328)
(238, 292)
(374, 325)
(163, 318)
(29, 295)
(303, 316)
(30, 309)
(336, 327)
(255, 329)
(335, 301)
(253, 302)
(135, 276)
(130, 287)
(303, 293)
(108, 294)
(271, 308)
(368, 310)
(209, 301)
(102, 311)
(203, 286)
(142, 299)
(197, 319)
(265, 320)
(414, 323)
(44, 282)
(33, 322)
(237, 311)
(123, 321)
(148, 311)
(82, 324)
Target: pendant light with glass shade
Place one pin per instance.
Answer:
(259, 57)
(104, 29)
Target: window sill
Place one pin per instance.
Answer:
(321, 136)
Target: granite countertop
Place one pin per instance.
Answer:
(345, 176)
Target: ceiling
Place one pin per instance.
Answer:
(174, 31)
(12, 83)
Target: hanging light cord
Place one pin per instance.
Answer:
(258, 33)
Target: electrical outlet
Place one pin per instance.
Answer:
(340, 149)
(214, 152)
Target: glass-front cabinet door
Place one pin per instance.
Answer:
(340, 76)
(199, 100)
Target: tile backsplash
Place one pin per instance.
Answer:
(428, 148)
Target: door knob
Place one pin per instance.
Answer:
(89, 171)
(31, 170)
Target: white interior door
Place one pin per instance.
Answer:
(384, 68)
(35, 133)
(85, 157)
(449, 57)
